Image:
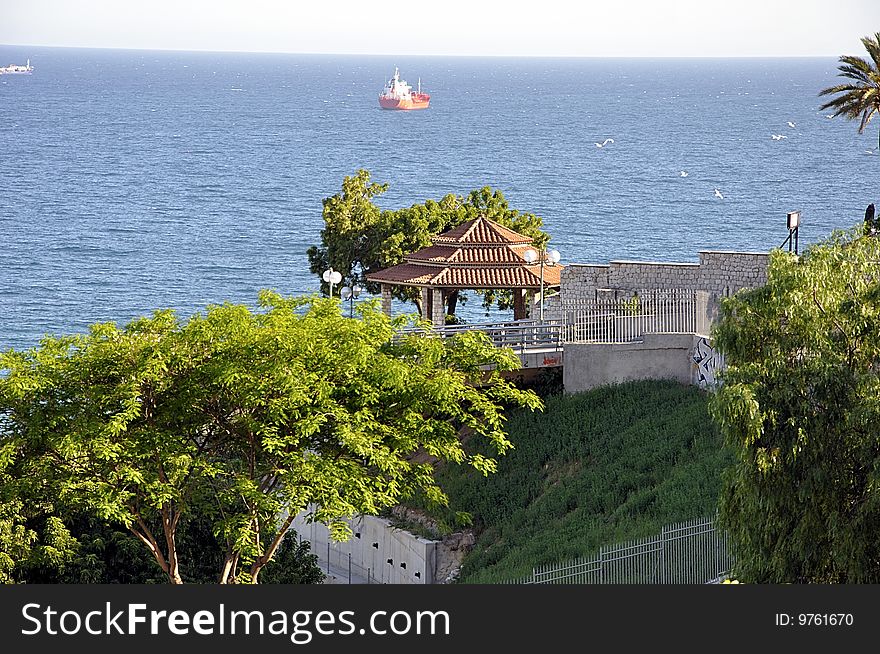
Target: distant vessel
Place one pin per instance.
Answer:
(397, 94)
(15, 69)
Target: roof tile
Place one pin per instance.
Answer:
(481, 231)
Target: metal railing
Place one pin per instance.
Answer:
(519, 335)
(338, 565)
(603, 321)
(692, 552)
(628, 320)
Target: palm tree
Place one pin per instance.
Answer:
(859, 99)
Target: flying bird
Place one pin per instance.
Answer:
(791, 124)
(718, 194)
(604, 143)
(778, 137)
(684, 173)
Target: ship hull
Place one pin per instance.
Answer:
(404, 104)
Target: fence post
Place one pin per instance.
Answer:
(663, 555)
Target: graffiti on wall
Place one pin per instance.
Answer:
(708, 363)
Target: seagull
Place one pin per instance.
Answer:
(718, 194)
(829, 115)
(778, 137)
(604, 143)
(684, 173)
(791, 124)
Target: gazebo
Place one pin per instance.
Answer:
(477, 254)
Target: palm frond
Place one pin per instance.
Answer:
(866, 118)
(860, 99)
(840, 88)
(854, 67)
(872, 45)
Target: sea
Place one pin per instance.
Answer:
(137, 180)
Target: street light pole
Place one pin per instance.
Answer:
(332, 277)
(552, 257)
(350, 294)
(542, 286)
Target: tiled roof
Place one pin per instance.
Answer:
(481, 231)
(411, 274)
(477, 254)
(484, 255)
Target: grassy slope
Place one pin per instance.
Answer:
(595, 468)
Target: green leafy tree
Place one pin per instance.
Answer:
(858, 99)
(105, 554)
(243, 419)
(359, 238)
(16, 539)
(800, 408)
(32, 536)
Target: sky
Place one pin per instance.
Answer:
(574, 28)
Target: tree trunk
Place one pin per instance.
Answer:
(261, 561)
(146, 537)
(452, 302)
(169, 525)
(227, 573)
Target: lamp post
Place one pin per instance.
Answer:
(552, 258)
(332, 277)
(350, 294)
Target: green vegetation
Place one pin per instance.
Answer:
(860, 98)
(98, 553)
(232, 422)
(800, 406)
(359, 238)
(595, 468)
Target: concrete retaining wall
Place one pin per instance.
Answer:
(685, 358)
(659, 356)
(379, 551)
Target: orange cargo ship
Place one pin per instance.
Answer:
(397, 94)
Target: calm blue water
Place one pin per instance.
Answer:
(138, 180)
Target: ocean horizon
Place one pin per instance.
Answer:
(136, 180)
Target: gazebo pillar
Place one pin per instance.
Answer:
(438, 310)
(386, 299)
(425, 300)
(519, 303)
(433, 308)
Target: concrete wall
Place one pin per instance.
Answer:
(375, 541)
(659, 356)
(686, 358)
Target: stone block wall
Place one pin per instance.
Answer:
(720, 273)
(724, 273)
(638, 275)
